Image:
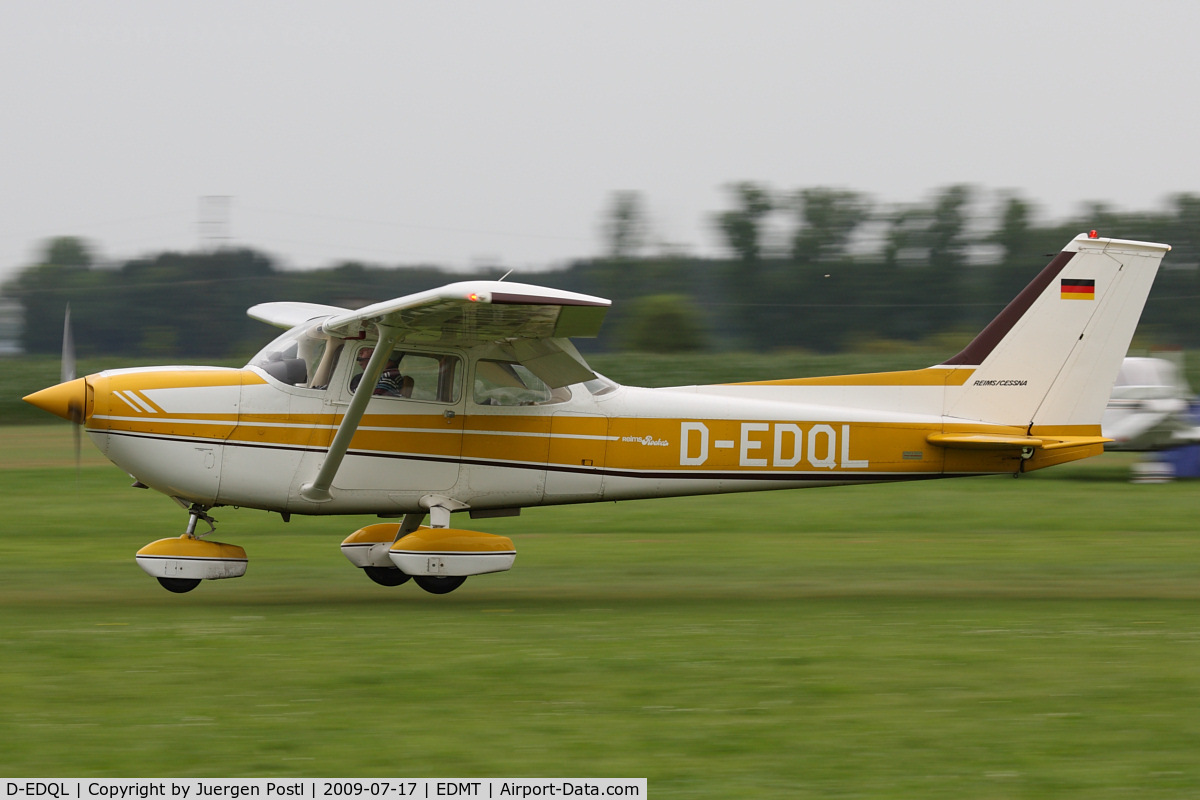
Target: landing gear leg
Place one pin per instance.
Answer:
(196, 513)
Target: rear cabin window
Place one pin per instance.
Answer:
(507, 383)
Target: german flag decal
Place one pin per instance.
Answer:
(1078, 289)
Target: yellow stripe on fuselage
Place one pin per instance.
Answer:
(931, 376)
(625, 445)
(166, 378)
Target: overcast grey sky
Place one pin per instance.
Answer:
(467, 132)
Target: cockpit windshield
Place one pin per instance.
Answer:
(601, 385)
(300, 357)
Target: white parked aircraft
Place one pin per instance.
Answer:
(1150, 407)
(479, 403)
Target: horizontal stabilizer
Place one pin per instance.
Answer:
(991, 441)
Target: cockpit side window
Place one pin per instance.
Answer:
(431, 377)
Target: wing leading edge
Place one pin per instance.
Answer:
(290, 314)
(531, 324)
(473, 312)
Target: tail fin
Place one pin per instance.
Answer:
(1051, 356)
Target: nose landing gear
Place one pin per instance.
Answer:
(180, 564)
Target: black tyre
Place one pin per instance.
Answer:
(436, 584)
(179, 585)
(386, 576)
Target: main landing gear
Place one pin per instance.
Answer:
(180, 564)
(434, 584)
(438, 559)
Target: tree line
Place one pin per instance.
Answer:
(817, 269)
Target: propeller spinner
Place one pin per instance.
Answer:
(69, 398)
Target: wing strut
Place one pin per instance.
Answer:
(318, 490)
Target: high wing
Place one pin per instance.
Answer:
(530, 323)
(472, 312)
(291, 314)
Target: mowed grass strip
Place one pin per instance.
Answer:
(984, 638)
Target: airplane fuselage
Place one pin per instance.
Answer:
(242, 438)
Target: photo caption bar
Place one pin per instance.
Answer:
(319, 789)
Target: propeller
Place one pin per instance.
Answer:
(69, 397)
(75, 409)
(67, 372)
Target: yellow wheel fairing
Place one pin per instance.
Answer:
(452, 552)
(369, 546)
(373, 534)
(188, 558)
(456, 540)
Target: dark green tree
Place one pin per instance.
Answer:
(62, 275)
(625, 227)
(742, 228)
(828, 219)
(67, 251)
(1021, 255)
(663, 323)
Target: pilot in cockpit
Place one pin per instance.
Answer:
(391, 383)
(363, 358)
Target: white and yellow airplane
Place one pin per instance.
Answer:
(1150, 408)
(478, 402)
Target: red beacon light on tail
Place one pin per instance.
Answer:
(1093, 235)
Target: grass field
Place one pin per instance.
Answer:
(982, 638)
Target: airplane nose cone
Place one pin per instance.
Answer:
(67, 400)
